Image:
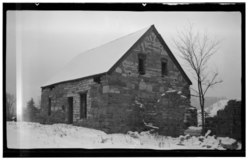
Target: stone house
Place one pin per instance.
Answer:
(133, 83)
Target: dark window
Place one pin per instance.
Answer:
(141, 64)
(83, 105)
(63, 108)
(51, 87)
(164, 67)
(70, 110)
(97, 79)
(49, 107)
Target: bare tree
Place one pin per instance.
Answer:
(196, 49)
(10, 106)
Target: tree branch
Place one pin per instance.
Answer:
(212, 83)
(194, 90)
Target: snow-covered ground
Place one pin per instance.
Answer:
(34, 135)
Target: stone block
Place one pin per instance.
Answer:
(124, 75)
(142, 85)
(105, 89)
(114, 90)
(161, 89)
(130, 85)
(118, 70)
(149, 88)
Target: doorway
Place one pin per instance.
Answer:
(70, 110)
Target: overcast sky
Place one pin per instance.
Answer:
(44, 41)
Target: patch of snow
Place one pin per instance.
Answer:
(24, 134)
(179, 92)
(239, 146)
(208, 132)
(193, 131)
(227, 140)
(195, 128)
(139, 103)
(133, 134)
(27, 135)
(183, 96)
(192, 108)
(171, 91)
(150, 125)
(229, 143)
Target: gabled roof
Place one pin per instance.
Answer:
(103, 59)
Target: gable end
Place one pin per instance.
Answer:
(171, 55)
(152, 28)
(130, 49)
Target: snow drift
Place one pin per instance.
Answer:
(27, 135)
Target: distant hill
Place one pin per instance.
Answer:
(208, 101)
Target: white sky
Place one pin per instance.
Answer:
(47, 40)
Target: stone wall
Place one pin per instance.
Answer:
(191, 117)
(227, 122)
(125, 100)
(149, 101)
(59, 97)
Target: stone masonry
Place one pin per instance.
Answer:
(227, 122)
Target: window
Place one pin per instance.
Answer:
(97, 79)
(164, 67)
(51, 87)
(49, 107)
(83, 105)
(141, 64)
(70, 110)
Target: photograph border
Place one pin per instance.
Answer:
(132, 7)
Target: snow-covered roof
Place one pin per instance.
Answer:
(96, 61)
(102, 59)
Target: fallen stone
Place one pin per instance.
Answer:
(228, 143)
(193, 131)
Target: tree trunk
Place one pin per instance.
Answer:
(202, 115)
(201, 98)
